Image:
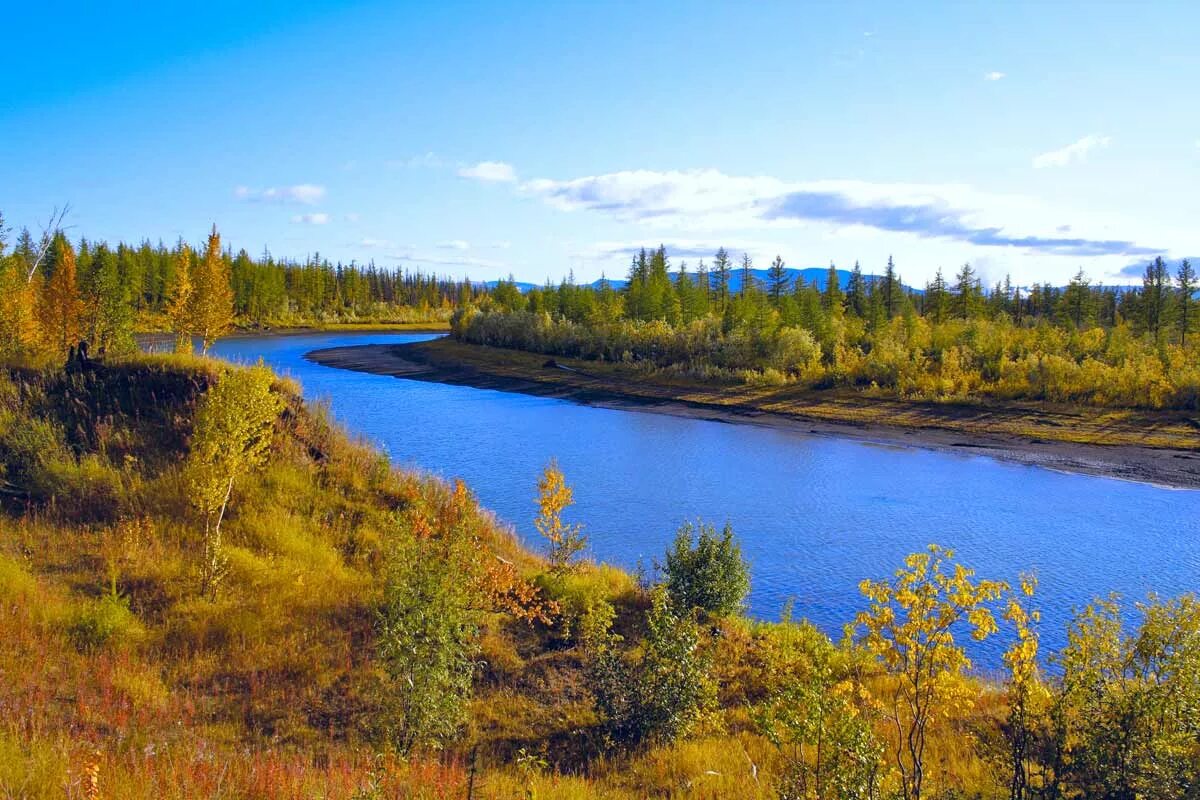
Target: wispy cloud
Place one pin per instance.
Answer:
(936, 220)
(711, 200)
(1072, 153)
(676, 248)
(318, 218)
(490, 171)
(306, 193)
(454, 244)
(994, 75)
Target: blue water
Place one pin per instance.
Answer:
(814, 514)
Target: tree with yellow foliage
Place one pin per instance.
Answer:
(179, 307)
(231, 437)
(18, 326)
(212, 294)
(910, 627)
(554, 495)
(1027, 694)
(59, 307)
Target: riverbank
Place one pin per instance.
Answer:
(1151, 447)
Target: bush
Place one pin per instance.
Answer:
(708, 572)
(104, 622)
(664, 694)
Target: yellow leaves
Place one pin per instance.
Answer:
(554, 495)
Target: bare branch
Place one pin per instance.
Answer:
(52, 228)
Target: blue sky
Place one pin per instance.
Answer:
(485, 139)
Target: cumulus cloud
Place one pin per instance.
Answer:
(994, 75)
(490, 171)
(712, 200)
(318, 218)
(305, 193)
(1072, 153)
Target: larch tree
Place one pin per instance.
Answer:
(777, 280)
(212, 294)
(1185, 279)
(231, 437)
(59, 308)
(721, 270)
(179, 306)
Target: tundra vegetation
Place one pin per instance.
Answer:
(955, 340)
(209, 590)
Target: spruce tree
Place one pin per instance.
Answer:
(1185, 279)
(777, 280)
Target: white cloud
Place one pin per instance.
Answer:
(994, 75)
(490, 171)
(710, 201)
(454, 244)
(305, 193)
(1074, 152)
(318, 218)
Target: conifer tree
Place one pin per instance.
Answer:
(889, 289)
(777, 280)
(747, 275)
(1185, 279)
(59, 306)
(833, 299)
(180, 305)
(212, 294)
(1156, 290)
(721, 271)
(856, 292)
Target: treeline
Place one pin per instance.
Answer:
(54, 292)
(1082, 343)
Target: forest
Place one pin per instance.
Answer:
(953, 340)
(55, 293)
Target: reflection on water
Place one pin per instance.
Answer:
(814, 514)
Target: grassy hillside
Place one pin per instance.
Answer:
(375, 634)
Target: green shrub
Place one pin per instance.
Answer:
(104, 622)
(707, 572)
(666, 692)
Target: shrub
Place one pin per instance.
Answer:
(104, 622)
(707, 572)
(664, 694)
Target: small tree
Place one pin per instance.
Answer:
(554, 495)
(817, 715)
(1027, 695)
(707, 572)
(231, 437)
(427, 641)
(910, 627)
(212, 294)
(666, 693)
(179, 306)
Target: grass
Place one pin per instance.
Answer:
(118, 680)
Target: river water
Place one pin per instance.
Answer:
(814, 514)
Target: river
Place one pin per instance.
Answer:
(814, 514)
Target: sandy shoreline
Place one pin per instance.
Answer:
(1169, 467)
